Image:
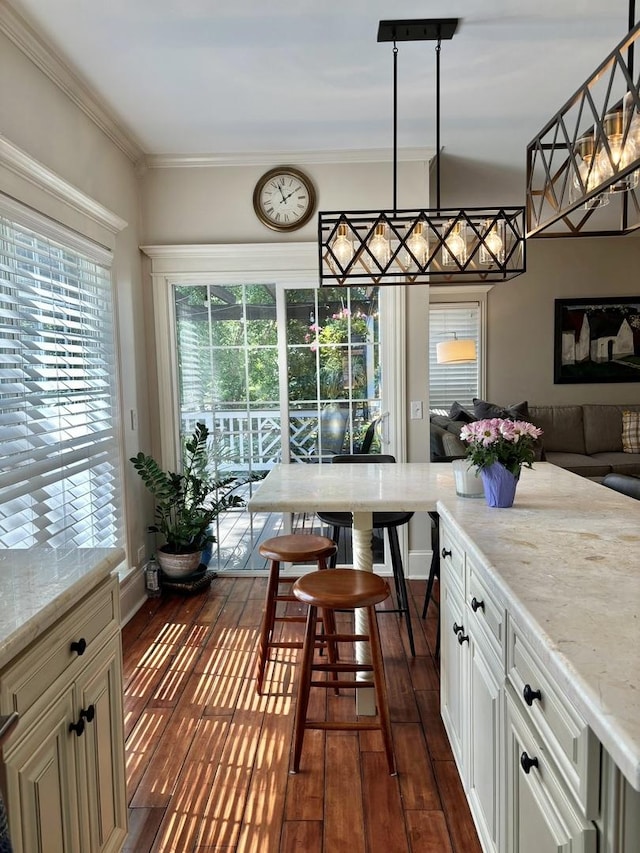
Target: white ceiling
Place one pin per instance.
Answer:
(211, 77)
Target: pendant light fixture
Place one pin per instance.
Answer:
(583, 166)
(441, 245)
(456, 351)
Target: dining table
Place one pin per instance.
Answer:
(360, 490)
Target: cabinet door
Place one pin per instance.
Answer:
(101, 751)
(42, 784)
(452, 699)
(541, 817)
(484, 782)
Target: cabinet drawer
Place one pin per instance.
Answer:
(50, 656)
(540, 814)
(452, 555)
(570, 742)
(488, 614)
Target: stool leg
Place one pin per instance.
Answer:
(268, 622)
(304, 687)
(401, 584)
(381, 690)
(329, 624)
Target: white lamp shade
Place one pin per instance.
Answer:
(455, 351)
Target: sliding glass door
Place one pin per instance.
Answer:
(278, 373)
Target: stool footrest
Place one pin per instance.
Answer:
(331, 685)
(346, 638)
(342, 667)
(297, 619)
(342, 726)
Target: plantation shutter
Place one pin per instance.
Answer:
(59, 453)
(449, 383)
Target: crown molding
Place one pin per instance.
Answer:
(26, 39)
(22, 164)
(292, 158)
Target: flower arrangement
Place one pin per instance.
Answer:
(512, 443)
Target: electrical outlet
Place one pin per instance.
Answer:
(416, 410)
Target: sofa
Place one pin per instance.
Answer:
(585, 439)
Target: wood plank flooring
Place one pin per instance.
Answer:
(207, 759)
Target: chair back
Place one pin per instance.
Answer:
(364, 457)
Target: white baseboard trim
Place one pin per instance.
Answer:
(132, 595)
(419, 565)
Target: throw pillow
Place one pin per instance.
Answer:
(459, 413)
(516, 412)
(631, 432)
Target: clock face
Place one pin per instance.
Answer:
(284, 199)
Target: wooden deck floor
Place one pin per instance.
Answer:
(207, 759)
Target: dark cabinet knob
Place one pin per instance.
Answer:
(476, 605)
(457, 628)
(530, 695)
(85, 714)
(526, 762)
(79, 646)
(89, 714)
(445, 553)
(78, 727)
(462, 637)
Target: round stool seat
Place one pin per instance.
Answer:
(341, 588)
(297, 546)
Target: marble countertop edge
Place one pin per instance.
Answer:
(32, 620)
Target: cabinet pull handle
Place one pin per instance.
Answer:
(530, 695)
(78, 727)
(79, 646)
(87, 715)
(477, 605)
(462, 637)
(445, 553)
(527, 763)
(457, 628)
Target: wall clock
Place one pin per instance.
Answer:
(284, 199)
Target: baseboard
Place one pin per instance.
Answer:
(132, 595)
(419, 565)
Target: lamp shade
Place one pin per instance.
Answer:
(456, 351)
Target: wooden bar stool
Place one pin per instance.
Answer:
(341, 589)
(292, 548)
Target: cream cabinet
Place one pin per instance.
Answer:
(64, 763)
(536, 778)
(472, 677)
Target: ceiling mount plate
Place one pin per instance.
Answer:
(421, 29)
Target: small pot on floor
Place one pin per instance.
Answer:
(177, 566)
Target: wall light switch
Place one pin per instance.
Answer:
(416, 410)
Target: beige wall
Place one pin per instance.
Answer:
(45, 124)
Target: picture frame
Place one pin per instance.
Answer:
(597, 340)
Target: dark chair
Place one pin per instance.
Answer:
(388, 521)
(624, 483)
(333, 429)
(434, 571)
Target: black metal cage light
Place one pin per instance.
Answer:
(421, 246)
(583, 166)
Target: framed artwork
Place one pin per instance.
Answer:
(597, 340)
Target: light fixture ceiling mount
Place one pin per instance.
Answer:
(420, 246)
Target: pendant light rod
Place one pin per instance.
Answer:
(395, 128)
(438, 46)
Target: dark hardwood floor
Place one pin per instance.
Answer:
(207, 759)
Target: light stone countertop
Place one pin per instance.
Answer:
(38, 585)
(564, 560)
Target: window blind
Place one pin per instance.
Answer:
(449, 383)
(59, 452)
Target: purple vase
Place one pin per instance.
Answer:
(499, 485)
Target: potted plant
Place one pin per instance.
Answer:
(187, 503)
(499, 448)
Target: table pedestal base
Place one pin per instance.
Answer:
(362, 536)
